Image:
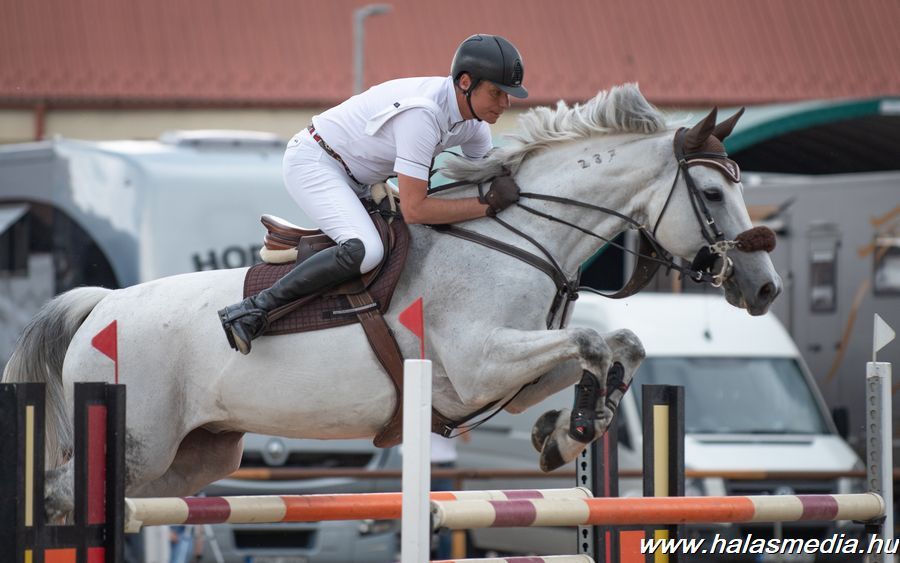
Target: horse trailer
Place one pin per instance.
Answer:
(838, 253)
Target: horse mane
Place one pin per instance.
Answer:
(621, 109)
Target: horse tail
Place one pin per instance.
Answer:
(38, 358)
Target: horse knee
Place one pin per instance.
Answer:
(627, 347)
(592, 348)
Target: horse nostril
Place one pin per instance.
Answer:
(767, 292)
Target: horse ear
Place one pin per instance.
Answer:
(697, 135)
(725, 128)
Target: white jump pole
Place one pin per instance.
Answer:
(415, 543)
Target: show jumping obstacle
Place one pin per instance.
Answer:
(467, 514)
(141, 512)
(96, 536)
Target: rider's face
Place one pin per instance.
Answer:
(488, 101)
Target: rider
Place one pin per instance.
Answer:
(397, 127)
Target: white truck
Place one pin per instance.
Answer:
(750, 404)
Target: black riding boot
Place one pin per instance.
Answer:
(248, 319)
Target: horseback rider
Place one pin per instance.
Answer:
(394, 128)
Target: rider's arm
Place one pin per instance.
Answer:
(417, 134)
(417, 208)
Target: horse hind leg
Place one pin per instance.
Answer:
(59, 493)
(202, 457)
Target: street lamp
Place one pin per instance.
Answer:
(359, 39)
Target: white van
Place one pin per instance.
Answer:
(750, 404)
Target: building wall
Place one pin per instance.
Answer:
(17, 126)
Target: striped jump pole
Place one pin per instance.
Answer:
(468, 514)
(173, 511)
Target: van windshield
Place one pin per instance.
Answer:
(738, 395)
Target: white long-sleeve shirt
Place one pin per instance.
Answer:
(413, 119)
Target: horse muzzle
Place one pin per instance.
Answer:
(712, 262)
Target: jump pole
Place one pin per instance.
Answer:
(467, 514)
(177, 511)
(415, 542)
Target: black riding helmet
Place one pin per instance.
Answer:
(492, 58)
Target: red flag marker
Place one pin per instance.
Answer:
(413, 318)
(106, 341)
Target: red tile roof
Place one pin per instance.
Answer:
(299, 52)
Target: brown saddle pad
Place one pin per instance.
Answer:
(330, 309)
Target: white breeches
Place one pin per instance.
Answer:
(322, 189)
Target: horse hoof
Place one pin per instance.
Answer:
(551, 457)
(542, 428)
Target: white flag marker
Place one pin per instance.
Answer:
(883, 335)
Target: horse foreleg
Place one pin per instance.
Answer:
(510, 359)
(628, 353)
(548, 360)
(562, 376)
(202, 457)
(561, 435)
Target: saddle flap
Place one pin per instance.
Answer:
(327, 310)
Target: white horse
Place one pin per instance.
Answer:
(191, 398)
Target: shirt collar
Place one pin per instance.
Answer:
(452, 106)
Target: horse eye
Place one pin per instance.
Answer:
(713, 194)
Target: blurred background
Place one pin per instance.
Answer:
(101, 69)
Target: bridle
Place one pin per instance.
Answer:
(651, 254)
(718, 246)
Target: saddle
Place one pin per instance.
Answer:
(337, 305)
(362, 300)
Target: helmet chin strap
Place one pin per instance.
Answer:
(469, 98)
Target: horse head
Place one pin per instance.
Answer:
(705, 221)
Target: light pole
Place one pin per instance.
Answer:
(359, 39)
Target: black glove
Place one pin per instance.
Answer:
(503, 193)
